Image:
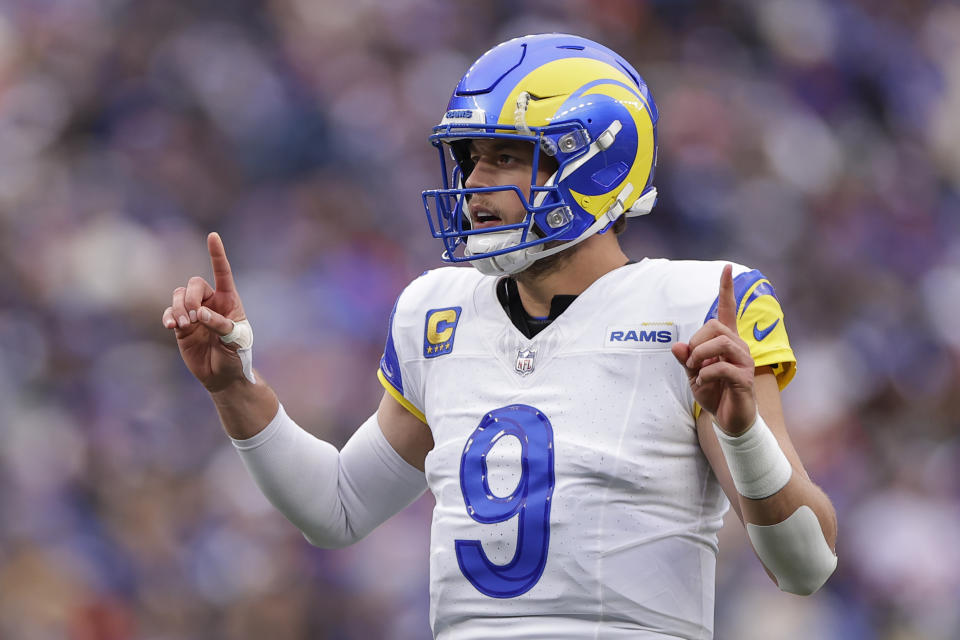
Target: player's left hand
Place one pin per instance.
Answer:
(719, 365)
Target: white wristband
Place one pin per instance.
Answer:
(242, 334)
(756, 461)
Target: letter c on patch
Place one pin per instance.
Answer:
(440, 325)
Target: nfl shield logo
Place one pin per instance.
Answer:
(525, 359)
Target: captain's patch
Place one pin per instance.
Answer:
(439, 330)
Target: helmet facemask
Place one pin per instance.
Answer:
(507, 247)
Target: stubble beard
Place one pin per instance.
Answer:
(540, 268)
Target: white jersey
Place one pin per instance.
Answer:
(573, 499)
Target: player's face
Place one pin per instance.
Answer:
(498, 163)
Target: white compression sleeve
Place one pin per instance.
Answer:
(334, 498)
(795, 551)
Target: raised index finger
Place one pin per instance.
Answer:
(222, 275)
(726, 301)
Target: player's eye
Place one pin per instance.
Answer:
(506, 158)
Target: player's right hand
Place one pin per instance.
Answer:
(199, 314)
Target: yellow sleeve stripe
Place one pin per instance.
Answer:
(399, 397)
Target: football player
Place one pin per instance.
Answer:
(583, 420)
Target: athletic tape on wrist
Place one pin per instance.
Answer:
(242, 335)
(756, 461)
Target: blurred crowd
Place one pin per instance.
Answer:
(816, 140)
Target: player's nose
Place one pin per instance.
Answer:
(480, 176)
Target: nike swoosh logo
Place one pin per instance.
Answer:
(759, 334)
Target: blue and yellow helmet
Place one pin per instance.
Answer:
(581, 104)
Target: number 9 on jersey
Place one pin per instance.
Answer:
(530, 500)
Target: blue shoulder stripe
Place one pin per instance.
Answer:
(741, 285)
(389, 363)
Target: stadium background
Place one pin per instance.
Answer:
(816, 140)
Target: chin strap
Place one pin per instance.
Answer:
(515, 261)
(503, 264)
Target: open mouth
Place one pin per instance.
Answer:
(483, 218)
